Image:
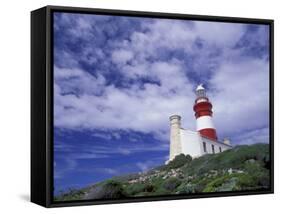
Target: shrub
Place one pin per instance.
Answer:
(136, 188)
(246, 181)
(224, 183)
(259, 176)
(157, 183)
(71, 194)
(233, 158)
(171, 183)
(110, 190)
(201, 182)
(149, 188)
(179, 161)
(186, 188)
(159, 191)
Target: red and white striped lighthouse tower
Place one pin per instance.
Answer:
(203, 114)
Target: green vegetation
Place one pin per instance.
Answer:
(171, 184)
(71, 194)
(241, 168)
(178, 162)
(111, 189)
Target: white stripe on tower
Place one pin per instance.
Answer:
(204, 122)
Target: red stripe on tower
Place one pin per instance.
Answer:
(203, 114)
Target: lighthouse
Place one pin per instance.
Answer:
(202, 141)
(203, 114)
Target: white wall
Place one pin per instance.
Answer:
(209, 144)
(190, 143)
(15, 105)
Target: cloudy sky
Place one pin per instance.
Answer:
(118, 79)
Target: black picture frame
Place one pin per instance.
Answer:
(42, 103)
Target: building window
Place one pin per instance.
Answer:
(220, 149)
(204, 147)
(213, 149)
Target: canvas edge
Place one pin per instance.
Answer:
(38, 151)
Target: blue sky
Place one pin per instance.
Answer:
(118, 79)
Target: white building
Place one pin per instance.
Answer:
(202, 141)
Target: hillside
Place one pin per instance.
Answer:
(241, 168)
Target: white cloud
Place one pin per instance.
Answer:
(239, 84)
(219, 33)
(242, 98)
(254, 136)
(144, 109)
(121, 56)
(143, 166)
(69, 165)
(146, 165)
(77, 81)
(110, 171)
(160, 35)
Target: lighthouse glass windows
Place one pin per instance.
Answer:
(142, 105)
(201, 93)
